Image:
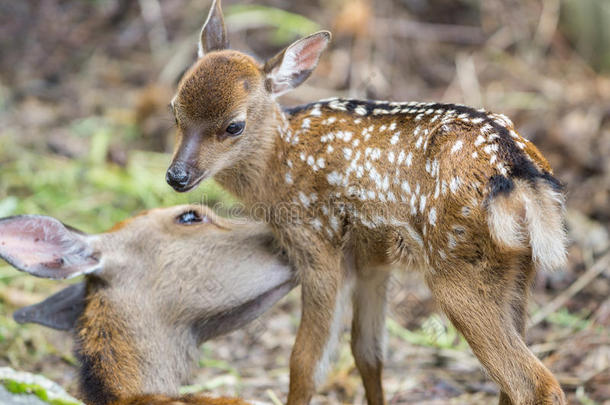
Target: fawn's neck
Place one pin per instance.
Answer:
(252, 177)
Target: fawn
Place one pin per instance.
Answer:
(355, 187)
(157, 286)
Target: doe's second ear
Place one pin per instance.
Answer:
(60, 311)
(44, 247)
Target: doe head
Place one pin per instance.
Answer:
(225, 102)
(156, 286)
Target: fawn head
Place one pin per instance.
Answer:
(225, 102)
(157, 286)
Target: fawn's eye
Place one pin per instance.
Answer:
(236, 128)
(190, 218)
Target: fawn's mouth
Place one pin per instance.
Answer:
(191, 185)
(195, 183)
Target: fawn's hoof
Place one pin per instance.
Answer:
(550, 394)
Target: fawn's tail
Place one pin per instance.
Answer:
(530, 215)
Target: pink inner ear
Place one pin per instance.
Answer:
(27, 242)
(42, 246)
(309, 53)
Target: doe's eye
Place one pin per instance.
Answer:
(236, 128)
(190, 218)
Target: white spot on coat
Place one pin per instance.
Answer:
(316, 223)
(456, 146)
(422, 203)
(360, 110)
(304, 199)
(432, 216)
(401, 157)
(409, 159)
(334, 178)
(454, 185)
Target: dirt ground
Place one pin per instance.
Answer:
(84, 88)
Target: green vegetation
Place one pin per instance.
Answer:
(287, 25)
(90, 193)
(17, 387)
(435, 332)
(28, 384)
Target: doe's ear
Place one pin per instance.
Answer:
(60, 311)
(44, 247)
(213, 33)
(293, 65)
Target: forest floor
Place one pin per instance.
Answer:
(85, 137)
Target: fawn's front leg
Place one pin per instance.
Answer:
(322, 279)
(368, 330)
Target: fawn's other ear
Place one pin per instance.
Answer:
(44, 247)
(60, 311)
(293, 65)
(213, 33)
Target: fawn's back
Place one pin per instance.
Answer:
(423, 174)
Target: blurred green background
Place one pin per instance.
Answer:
(85, 136)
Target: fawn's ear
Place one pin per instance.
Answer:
(60, 311)
(213, 33)
(44, 247)
(293, 65)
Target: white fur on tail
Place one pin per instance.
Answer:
(531, 216)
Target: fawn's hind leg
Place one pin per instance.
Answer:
(478, 300)
(368, 330)
(518, 306)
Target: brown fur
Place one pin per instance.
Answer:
(164, 282)
(131, 344)
(110, 360)
(416, 185)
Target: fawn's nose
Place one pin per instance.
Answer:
(178, 176)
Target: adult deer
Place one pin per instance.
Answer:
(362, 186)
(157, 286)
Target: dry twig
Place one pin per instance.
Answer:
(587, 277)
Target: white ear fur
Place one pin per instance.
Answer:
(293, 65)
